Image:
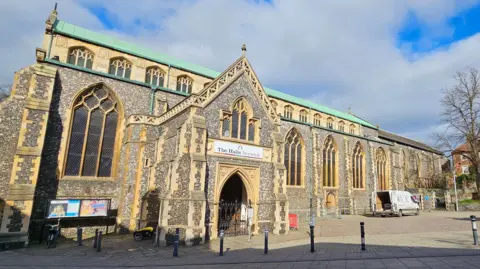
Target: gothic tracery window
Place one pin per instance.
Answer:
(381, 160)
(358, 167)
(154, 76)
(330, 123)
(120, 67)
(239, 123)
(293, 158)
(92, 135)
(329, 163)
(341, 126)
(288, 112)
(317, 119)
(352, 128)
(184, 84)
(81, 57)
(303, 115)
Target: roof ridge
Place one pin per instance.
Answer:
(90, 36)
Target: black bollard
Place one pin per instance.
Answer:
(79, 235)
(221, 242)
(312, 244)
(95, 240)
(175, 244)
(265, 250)
(99, 242)
(362, 234)
(474, 229)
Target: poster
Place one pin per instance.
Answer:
(63, 208)
(94, 208)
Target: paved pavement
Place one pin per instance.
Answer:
(432, 240)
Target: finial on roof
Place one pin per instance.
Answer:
(349, 110)
(244, 49)
(52, 18)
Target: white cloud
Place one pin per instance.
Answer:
(298, 46)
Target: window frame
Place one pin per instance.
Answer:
(317, 119)
(86, 51)
(333, 164)
(161, 74)
(128, 66)
(250, 119)
(330, 123)
(358, 152)
(189, 85)
(288, 112)
(65, 144)
(382, 169)
(300, 182)
(303, 116)
(341, 126)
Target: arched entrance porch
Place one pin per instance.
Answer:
(233, 207)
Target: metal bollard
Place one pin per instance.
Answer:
(362, 234)
(95, 239)
(221, 242)
(312, 244)
(79, 235)
(99, 242)
(474, 229)
(175, 244)
(265, 250)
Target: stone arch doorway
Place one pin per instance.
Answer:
(233, 207)
(331, 202)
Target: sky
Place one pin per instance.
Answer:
(388, 60)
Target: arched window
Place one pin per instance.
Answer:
(184, 84)
(381, 159)
(352, 128)
(120, 67)
(317, 119)
(92, 134)
(303, 115)
(358, 167)
(341, 126)
(274, 106)
(81, 57)
(154, 76)
(288, 112)
(329, 163)
(293, 158)
(239, 123)
(330, 123)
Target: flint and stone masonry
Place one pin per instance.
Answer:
(176, 144)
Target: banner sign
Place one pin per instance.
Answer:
(78, 208)
(94, 208)
(63, 209)
(239, 150)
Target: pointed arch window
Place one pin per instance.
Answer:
(381, 160)
(330, 123)
(120, 67)
(303, 115)
(317, 119)
(341, 126)
(184, 84)
(81, 57)
(239, 123)
(352, 128)
(288, 112)
(294, 150)
(358, 167)
(92, 135)
(155, 76)
(329, 163)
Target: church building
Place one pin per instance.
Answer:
(172, 144)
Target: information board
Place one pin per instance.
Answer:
(63, 209)
(94, 208)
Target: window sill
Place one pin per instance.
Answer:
(296, 187)
(330, 188)
(87, 178)
(359, 189)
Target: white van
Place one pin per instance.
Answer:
(394, 203)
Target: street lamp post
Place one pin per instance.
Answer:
(454, 184)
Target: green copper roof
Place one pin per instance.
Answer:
(80, 33)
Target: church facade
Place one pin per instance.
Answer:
(176, 145)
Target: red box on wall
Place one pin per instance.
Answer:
(293, 219)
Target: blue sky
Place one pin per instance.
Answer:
(388, 60)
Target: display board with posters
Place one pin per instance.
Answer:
(94, 208)
(78, 208)
(63, 209)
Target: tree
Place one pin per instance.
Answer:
(4, 91)
(461, 116)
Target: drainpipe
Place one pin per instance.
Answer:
(154, 89)
(168, 75)
(50, 45)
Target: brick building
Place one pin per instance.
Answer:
(462, 163)
(174, 144)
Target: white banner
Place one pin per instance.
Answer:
(239, 150)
